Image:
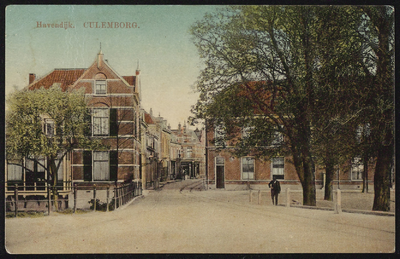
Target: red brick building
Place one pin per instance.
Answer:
(114, 103)
(224, 171)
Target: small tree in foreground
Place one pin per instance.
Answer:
(46, 123)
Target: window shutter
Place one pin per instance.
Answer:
(113, 122)
(88, 120)
(113, 165)
(87, 165)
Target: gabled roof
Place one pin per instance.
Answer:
(148, 119)
(130, 79)
(65, 77)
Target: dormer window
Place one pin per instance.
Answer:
(100, 87)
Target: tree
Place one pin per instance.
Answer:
(46, 123)
(338, 76)
(378, 32)
(272, 45)
(311, 73)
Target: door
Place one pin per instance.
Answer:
(219, 168)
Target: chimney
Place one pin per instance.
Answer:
(184, 127)
(151, 111)
(179, 127)
(137, 69)
(100, 59)
(32, 78)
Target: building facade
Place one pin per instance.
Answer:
(225, 171)
(192, 156)
(114, 104)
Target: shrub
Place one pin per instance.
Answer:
(102, 206)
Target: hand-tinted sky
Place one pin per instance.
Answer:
(169, 61)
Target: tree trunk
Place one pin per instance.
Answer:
(53, 173)
(309, 194)
(329, 175)
(385, 89)
(365, 175)
(382, 176)
(306, 175)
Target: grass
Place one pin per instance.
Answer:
(30, 214)
(71, 211)
(34, 214)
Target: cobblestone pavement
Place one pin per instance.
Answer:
(185, 220)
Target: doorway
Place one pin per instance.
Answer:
(220, 168)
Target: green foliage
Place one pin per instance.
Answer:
(317, 80)
(25, 124)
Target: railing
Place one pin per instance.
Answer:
(37, 187)
(90, 197)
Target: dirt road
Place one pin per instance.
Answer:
(177, 220)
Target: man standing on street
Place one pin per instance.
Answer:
(275, 190)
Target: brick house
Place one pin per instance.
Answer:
(224, 171)
(114, 102)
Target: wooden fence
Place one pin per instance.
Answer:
(112, 197)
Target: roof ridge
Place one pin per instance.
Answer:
(70, 68)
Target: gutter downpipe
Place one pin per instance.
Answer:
(206, 153)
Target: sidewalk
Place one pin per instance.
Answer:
(353, 201)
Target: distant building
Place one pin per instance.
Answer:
(150, 132)
(192, 152)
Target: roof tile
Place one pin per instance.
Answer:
(65, 77)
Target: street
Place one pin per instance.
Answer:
(185, 220)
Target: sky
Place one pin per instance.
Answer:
(161, 43)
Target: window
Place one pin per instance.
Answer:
(100, 87)
(35, 173)
(101, 168)
(357, 169)
(101, 121)
(363, 131)
(277, 138)
(189, 152)
(247, 168)
(278, 166)
(49, 129)
(219, 135)
(60, 172)
(14, 172)
(247, 131)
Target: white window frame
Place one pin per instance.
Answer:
(104, 122)
(98, 161)
(246, 131)
(189, 152)
(49, 133)
(277, 138)
(60, 171)
(217, 129)
(247, 175)
(277, 170)
(356, 168)
(13, 171)
(98, 90)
